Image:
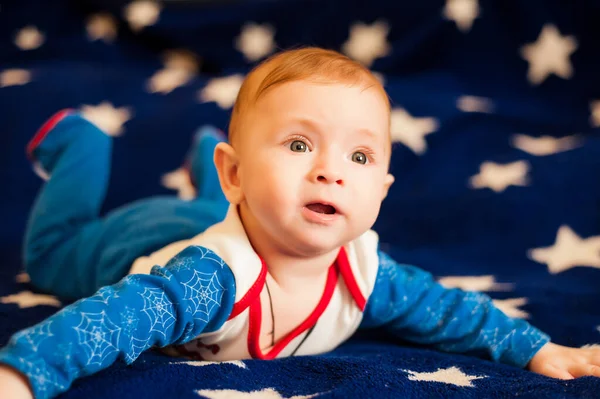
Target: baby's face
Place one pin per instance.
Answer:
(313, 161)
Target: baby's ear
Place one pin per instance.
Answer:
(227, 164)
(387, 182)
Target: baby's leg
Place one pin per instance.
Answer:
(75, 157)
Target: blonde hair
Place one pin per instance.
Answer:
(310, 63)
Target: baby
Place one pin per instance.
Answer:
(293, 269)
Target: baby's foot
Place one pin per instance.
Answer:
(46, 146)
(200, 164)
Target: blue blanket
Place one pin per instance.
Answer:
(496, 159)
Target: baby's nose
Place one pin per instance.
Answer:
(330, 178)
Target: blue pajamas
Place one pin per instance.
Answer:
(410, 304)
(69, 250)
(195, 293)
(121, 321)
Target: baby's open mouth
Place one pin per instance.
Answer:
(321, 208)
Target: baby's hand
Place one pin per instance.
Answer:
(566, 363)
(13, 385)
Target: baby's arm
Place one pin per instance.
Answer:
(122, 320)
(412, 305)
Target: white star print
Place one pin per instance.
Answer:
(549, 54)
(256, 41)
(544, 145)
(29, 38)
(510, 307)
(411, 131)
(595, 113)
(108, 118)
(102, 27)
(598, 328)
(379, 77)
(475, 104)
(181, 59)
(202, 363)
(267, 393)
(475, 283)
(569, 250)
(142, 13)
(367, 42)
(223, 91)
(28, 299)
(180, 68)
(14, 77)
(463, 12)
(498, 177)
(180, 180)
(22, 278)
(167, 80)
(452, 375)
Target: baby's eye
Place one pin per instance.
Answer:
(359, 157)
(298, 146)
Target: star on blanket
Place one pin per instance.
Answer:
(498, 177)
(545, 145)
(569, 250)
(452, 375)
(181, 59)
(463, 12)
(411, 131)
(379, 76)
(142, 13)
(267, 393)
(475, 283)
(367, 42)
(475, 104)
(510, 307)
(28, 299)
(256, 41)
(180, 68)
(223, 91)
(29, 38)
(595, 113)
(108, 118)
(167, 80)
(549, 54)
(22, 278)
(102, 26)
(14, 77)
(180, 180)
(202, 363)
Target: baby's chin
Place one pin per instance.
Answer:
(311, 243)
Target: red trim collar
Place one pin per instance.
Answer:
(252, 300)
(256, 319)
(252, 294)
(350, 279)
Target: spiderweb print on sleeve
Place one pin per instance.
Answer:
(179, 263)
(204, 291)
(98, 335)
(34, 336)
(159, 310)
(130, 321)
(40, 375)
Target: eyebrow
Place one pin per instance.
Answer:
(311, 125)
